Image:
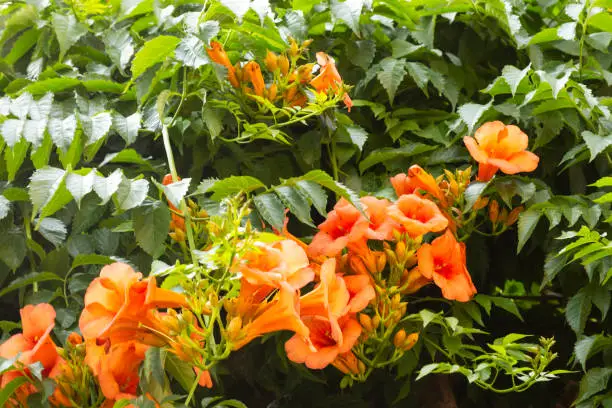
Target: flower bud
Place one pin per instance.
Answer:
(375, 322)
(357, 265)
(361, 366)
(74, 339)
(503, 216)
(410, 341)
(283, 64)
(294, 49)
(272, 92)
(400, 250)
(366, 322)
(481, 202)
(513, 216)
(395, 301)
(233, 328)
(306, 43)
(381, 261)
(399, 338)
(493, 211)
(178, 235)
(271, 61)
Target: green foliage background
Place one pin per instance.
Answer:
(88, 86)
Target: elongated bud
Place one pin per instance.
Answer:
(375, 322)
(503, 216)
(410, 341)
(400, 250)
(271, 61)
(381, 261)
(306, 43)
(272, 92)
(294, 49)
(480, 203)
(233, 328)
(357, 265)
(283, 64)
(402, 308)
(395, 301)
(493, 211)
(366, 322)
(513, 216)
(179, 235)
(399, 338)
(361, 367)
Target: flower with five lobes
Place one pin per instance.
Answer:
(496, 146)
(329, 78)
(443, 261)
(417, 215)
(120, 305)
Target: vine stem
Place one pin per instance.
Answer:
(193, 388)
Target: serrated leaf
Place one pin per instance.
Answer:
(470, 114)
(131, 193)
(357, 134)
(62, 131)
(361, 53)
(348, 11)
(390, 153)
(234, 185)
(296, 202)
(34, 131)
(208, 30)
(578, 310)
(21, 105)
(323, 179)
(153, 366)
(91, 259)
(472, 193)
(68, 31)
(12, 131)
(119, 47)
(238, 7)
(12, 247)
(594, 381)
(5, 207)
(271, 209)
(509, 305)
(96, 127)
(44, 183)
(153, 52)
(596, 143)
(391, 74)
(514, 76)
(105, 187)
(527, 222)
(151, 224)
(29, 279)
(420, 74)
(315, 194)
(176, 191)
(127, 127)
(191, 52)
(53, 230)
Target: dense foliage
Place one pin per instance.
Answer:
(270, 119)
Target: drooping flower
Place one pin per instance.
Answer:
(497, 146)
(348, 363)
(417, 215)
(325, 348)
(344, 225)
(218, 55)
(272, 264)
(329, 78)
(444, 261)
(380, 226)
(360, 291)
(252, 73)
(118, 303)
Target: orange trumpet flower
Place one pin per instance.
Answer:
(321, 348)
(444, 261)
(417, 179)
(497, 146)
(381, 226)
(119, 301)
(218, 55)
(417, 215)
(344, 225)
(252, 73)
(118, 370)
(329, 78)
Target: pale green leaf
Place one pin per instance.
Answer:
(151, 224)
(105, 187)
(131, 193)
(153, 52)
(234, 185)
(68, 31)
(62, 131)
(514, 76)
(176, 191)
(389, 153)
(80, 185)
(348, 11)
(596, 143)
(127, 127)
(191, 52)
(470, 113)
(315, 194)
(53, 230)
(12, 131)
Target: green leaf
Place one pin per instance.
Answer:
(234, 185)
(153, 366)
(526, 225)
(323, 179)
(238, 7)
(596, 143)
(271, 209)
(80, 185)
(603, 182)
(53, 230)
(23, 44)
(361, 53)
(34, 132)
(119, 47)
(420, 74)
(191, 52)
(62, 131)
(514, 76)
(357, 134)
(470, 114)
(12, 131)
(68, 31)
(176, 191)
(315, 194)
(348, 11)
(153, 52)
(12, 247)
(578, 310)
(7, 391)
(91, 259)
(595, 380)
(5, 207)
(105, 187)
(507, 304)
(52, 85)
(29, 279)
(391, 74)
(296, 202)
(131, 193)
(96, 127)
(590, 345)
(390, 153)
(44, 185)
(472, 193)
(151, 224)
(181, 371)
